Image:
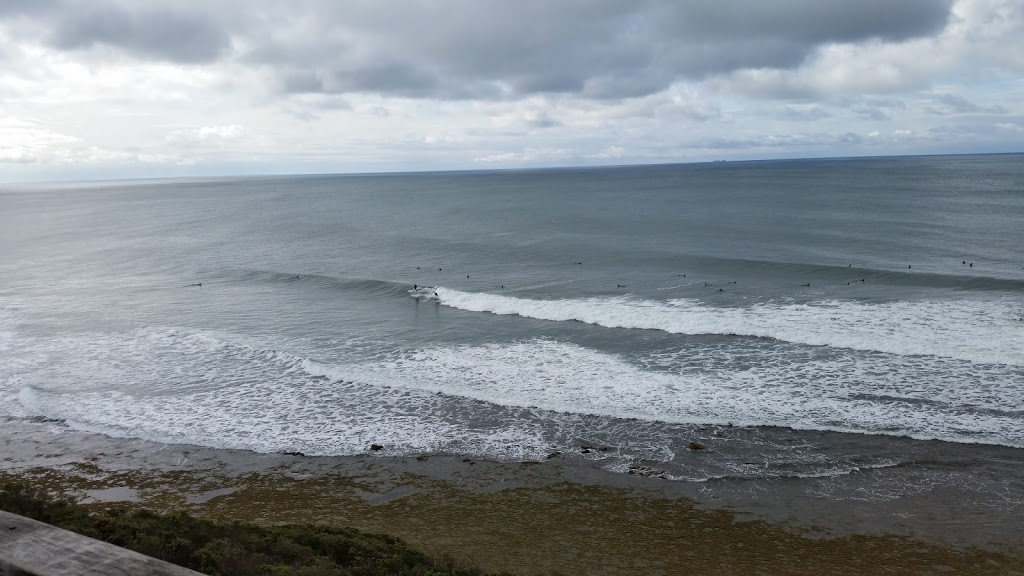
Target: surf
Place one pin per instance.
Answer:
(985, 331)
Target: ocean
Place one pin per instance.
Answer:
(799, 319)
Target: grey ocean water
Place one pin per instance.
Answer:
(804, 319)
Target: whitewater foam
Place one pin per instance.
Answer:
(515, 401)
(974, 330)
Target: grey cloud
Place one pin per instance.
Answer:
(14, 7)
(156, 33)
(792, 141)
(876, 114)
(542, 120)
(185, 31)
(875, 109)
(397, 78)
(302, 82)
(944, 104)
(486, 49)
(806, 21)
(608, 49)
(804, 113)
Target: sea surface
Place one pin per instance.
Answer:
(798, 318)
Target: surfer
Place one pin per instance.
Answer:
(435, 295)
(415, 287)
(806, 285)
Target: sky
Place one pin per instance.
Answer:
(105, 89)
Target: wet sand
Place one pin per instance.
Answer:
(553, 516)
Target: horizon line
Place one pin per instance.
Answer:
(270, 175)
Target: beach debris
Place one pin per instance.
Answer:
(468, 461)
(376, 447)
(647, 472)
(554, 454)
(46, 420)
(422, 457)
(293, 453)
(694, 445)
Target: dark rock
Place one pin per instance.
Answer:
(553, 455)
(422, 458)
(647, 472)
(697, 446)
(376, 447)
(293, 453)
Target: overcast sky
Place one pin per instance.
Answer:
(118, 88)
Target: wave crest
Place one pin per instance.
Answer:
(983, 331)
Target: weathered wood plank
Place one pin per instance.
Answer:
(32, 548)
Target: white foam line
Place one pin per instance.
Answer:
(976, 331)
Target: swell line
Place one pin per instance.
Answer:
(975, 331)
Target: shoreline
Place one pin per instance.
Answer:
(525, 518)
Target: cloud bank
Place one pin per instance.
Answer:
(165, 88)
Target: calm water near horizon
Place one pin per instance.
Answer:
(802, 318)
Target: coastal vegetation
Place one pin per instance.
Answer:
(232, 548)
(522, 519)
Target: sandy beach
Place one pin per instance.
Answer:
(552, 516)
